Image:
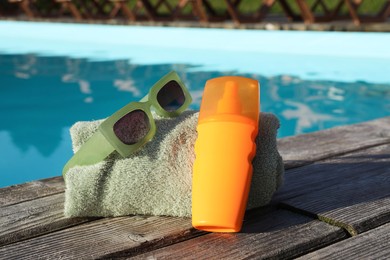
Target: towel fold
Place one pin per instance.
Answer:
(156, 180)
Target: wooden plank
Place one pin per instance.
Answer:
(296, 151)
(279, 234)
(31, 190)
(373, 244)
(35, 217)
(103, 238)
(308, 148)
(350, 191)
(45, 213)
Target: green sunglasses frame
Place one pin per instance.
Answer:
(146, 103)
(104, 141)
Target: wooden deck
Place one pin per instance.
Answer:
(335, 203)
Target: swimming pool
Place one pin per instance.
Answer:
(52, 75)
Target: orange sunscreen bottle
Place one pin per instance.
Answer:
(224, 149)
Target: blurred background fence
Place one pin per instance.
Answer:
(204, 11)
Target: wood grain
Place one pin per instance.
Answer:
(307, 148)
(351, 191)
(279, 234)
(33, 218)
(103, 238)
(31, 190)
(373, 244)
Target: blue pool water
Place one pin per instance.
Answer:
(52, 75)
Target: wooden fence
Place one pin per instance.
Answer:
(204, 11)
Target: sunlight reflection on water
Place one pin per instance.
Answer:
(313, 81)
(43, 96)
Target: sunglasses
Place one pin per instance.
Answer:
(133, 126)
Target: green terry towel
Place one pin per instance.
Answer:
(156, 180)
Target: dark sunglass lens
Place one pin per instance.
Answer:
(132, 127)
(171, 96)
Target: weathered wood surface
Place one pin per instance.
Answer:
(305, 149)
(348, 191)
(106, 237)
(374, 244)
(34, 217)
(351, 191)
(31, 190)
(277, 234)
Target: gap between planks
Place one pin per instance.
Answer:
(370, 129)
(350, 191)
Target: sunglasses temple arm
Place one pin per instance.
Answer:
(95, 150)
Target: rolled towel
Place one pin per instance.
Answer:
(156, 180)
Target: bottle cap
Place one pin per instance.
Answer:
(229, 98)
